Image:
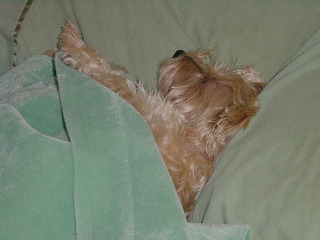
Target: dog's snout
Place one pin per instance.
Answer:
(178, 53)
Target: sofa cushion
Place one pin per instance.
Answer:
(268, 175)
(140, 34)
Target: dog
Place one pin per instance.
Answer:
(198, 106)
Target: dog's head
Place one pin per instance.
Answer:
(212, 98)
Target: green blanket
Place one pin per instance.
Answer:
(78, 162)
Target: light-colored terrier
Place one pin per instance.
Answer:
(198, 106)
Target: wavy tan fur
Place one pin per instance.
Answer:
(198, 106)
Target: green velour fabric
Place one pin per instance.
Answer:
(268, 176)
(36, 200)
(32, 90)
(121, 182)
(107, 182)
(36, 170)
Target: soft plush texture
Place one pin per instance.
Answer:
(36, 170)
(266, 177)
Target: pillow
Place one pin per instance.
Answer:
(140, 34)
(268, 175)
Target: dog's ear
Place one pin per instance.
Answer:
(245, 104)
(237, 117)
(253, 78)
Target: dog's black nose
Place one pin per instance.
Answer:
(178, 53)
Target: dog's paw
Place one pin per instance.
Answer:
(78, 56)
(70, 38)
(72, 47)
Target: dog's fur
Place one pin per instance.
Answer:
(199, 105)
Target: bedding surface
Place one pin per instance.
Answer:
(268, 175)
(140, 34)
(265, 178)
